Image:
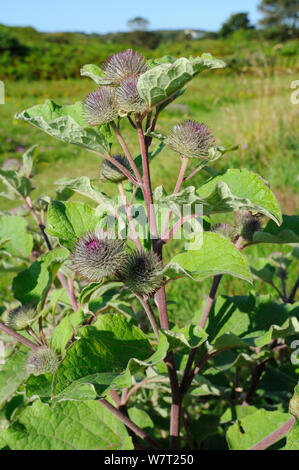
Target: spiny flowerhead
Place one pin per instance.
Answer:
(100, 106)
(128, 98)
(97, 256)
(191, 139)
(111, 173)
(248, 225)
(141, 273)
(43, 360)
(226, 230)
(123, 65)
(21, 317)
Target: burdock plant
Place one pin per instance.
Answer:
(108, 264)
(96, 256)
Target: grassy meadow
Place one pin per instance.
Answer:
(252, 110)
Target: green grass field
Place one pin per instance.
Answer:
(252, 111)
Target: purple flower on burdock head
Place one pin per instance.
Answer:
(123, 65)
(248, 225)
(128, 98)
(100, 106)
(191, 139)
(111, 173)
(43, 360)
(20, 149)
(141, 273)
(96, 256)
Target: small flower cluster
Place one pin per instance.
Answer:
(21, 317)
(191, 139)
(96, 257)
(43, 360)
(121, 96)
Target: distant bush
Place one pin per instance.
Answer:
(11, 44)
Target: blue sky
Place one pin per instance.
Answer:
(103, 16)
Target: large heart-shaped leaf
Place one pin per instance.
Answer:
(33, 284)
(82, 185)
(217, 255)
(288, 232)
(242, 321)
(105, 356)
(69, 220)
(252, 429)
(67, 123)
(162, 81)
(237, 190)
(67, 426)
(13, 228)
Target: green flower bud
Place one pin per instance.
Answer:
(111, 173)
(191, 139)
(123, 65)
(100, 106)
(128, 98)
(141, 273)
(43, 360)
(248, 225)
(21, 317)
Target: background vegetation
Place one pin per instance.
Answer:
(250, 100)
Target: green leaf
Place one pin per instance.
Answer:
(162, 81)
(17, 185)
(105, 356)
(12, 374)
(14, 229)
(67, 426)
(251, 429)
(201, 386)
(288, 232)
(33, 284)
(217, 255)
(239, 190)
(67, 123)
(294, 403)
(69, 220)
(140, 418)
(66, 329)
(28, 159)
(236, 413)
(92, 71)
(242, 321)
(83, 186)
(264, 269)
(190, 336)
(293, 438)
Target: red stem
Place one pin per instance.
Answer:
(138, 431)
(18, 337)
(176, 190)
(127, 154)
